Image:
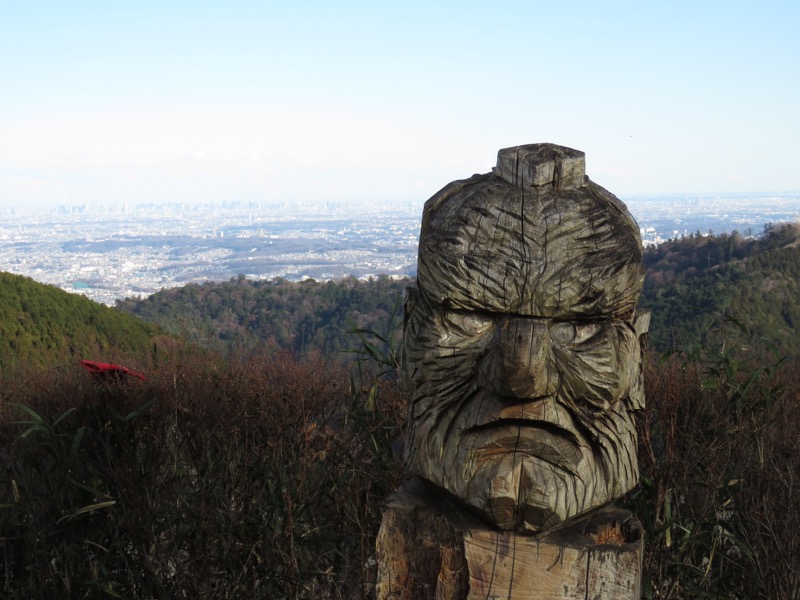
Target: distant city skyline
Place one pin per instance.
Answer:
(202, 101)
(108, 252)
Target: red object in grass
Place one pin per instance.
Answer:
(108, 371)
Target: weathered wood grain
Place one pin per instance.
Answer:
(523, 353)
(522, 343)
(429, 549)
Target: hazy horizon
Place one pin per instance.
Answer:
(118, 205)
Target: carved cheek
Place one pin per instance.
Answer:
(441, 350)
(594, 373)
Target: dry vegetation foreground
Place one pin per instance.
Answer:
(264, 478)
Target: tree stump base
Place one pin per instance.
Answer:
(430, 548)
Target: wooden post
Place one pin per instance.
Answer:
(523, 353)
(430, 548)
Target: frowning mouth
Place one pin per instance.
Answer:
(529, 437)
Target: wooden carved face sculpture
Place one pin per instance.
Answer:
(522, 344)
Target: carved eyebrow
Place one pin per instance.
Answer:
(448, 305)
(556, 319)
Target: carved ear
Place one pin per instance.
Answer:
(641, 324)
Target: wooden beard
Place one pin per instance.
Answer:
(522, 345)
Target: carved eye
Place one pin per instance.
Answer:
(569, 333)
(586, 331)
(467, 323)
(562, 333)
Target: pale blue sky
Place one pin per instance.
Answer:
(207, 101)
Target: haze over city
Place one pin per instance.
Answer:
(199, 102)
(111, 252)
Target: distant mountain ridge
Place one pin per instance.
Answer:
(41, 325)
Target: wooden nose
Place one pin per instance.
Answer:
(525, 349)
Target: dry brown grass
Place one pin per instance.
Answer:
(264, 478)
(261, 478)
(720, 462)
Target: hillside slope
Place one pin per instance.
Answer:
(41, 325)
(243, 315)
(696, 284)
(693, 286)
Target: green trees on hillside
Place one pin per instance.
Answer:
(695, 283)
(243, 315)
(692, 285)
(41, 324)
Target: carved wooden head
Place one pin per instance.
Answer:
(522, 344)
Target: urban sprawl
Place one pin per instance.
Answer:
(113, 252)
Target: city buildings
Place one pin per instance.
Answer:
(113, 252)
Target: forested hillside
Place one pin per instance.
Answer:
(41, 324)
(242, 315)
(695, 284)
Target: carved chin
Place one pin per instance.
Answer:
(517, 490)
(531, 476)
